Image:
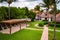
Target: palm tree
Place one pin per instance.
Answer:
(48, 4)
(55, 12)
(9, 2)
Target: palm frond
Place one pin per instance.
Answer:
(7, 0)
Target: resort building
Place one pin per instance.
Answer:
(57, 17)
(46, 16)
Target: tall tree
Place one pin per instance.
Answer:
(48, 4)
(55, 2)
(9, 2)
(6, 0)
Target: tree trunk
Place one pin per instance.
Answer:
(48, 20)
(54, 35)
(48, 16)
(9, 11)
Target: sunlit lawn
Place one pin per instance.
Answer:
(57, 33)
(22, 35)
(32, 24)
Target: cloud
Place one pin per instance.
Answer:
(25, 3)
(58, 6)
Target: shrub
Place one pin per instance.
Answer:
(45, 22)
(41, 24)
(57, 24)
(31, 15)
(51, 23)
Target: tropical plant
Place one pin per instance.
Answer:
(3, 13)
(37, 7)
(9, 2)
(31, 15)
(41, 24)
(49, 3)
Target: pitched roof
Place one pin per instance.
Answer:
(58, 17)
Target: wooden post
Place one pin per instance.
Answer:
(10, 28)
(20, 26)
(26, 23)
(5, 25)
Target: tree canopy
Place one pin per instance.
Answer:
(16, 13)
(7, 0)
(37, 7)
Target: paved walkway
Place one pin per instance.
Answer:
(45, 33)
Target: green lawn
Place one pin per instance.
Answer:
(51, 35)
(22, 35)
(32, 24)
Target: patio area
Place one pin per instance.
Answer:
(13, 29)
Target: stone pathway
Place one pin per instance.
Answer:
(45, 33)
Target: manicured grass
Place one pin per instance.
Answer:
(32, 24)
(22, 35)
(51, 35)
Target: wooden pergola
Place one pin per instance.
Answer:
(10, 22)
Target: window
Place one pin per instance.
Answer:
(45, 14)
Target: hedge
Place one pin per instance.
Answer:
(41, 24)
(45, 22)
(52, 24)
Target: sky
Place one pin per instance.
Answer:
(26, 3)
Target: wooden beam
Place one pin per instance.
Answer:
(10, 28)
